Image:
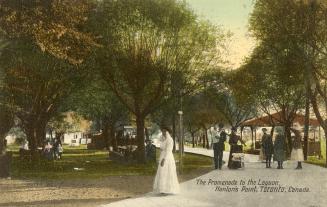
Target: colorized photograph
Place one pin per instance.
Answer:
(149, 103)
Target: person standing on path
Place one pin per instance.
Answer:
(214, 143)
(267, 147)
(166, 181)
(279, 147)
(234, 148)
(221, 145)
(218, 138)
(297, 151)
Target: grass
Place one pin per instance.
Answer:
(314, 160)
(95, 164)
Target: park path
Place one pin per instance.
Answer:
(205, 192)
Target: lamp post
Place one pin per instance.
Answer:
(181, 141)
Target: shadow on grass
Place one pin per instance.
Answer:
(94, 164)
(63, 202)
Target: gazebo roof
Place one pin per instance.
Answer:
(265, 121)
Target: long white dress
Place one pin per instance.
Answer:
(166, 177)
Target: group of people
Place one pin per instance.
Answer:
(277, 150)
(166, 181)
(218, 139)
(270, 149)
(53, 150)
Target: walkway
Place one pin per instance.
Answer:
(211, 190)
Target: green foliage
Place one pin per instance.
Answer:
(151, 49)
(227, 98)
(35, 81)
(53, 25)
(95, 101)
(35, 85)
(267, 77)
(322, 161)
(148, 42)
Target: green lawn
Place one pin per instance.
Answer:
(94, 163)
(315, 160)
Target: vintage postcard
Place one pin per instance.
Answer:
(146, 103)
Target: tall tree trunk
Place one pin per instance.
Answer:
(322, 122)
(105, 133)
(113, 137)
(6, 122)
(207, 140)
(272, 131)
(174, 132)
(140, 123)
(32, 142)
(2, 138)
(40, 133)
(288, 138)
(203, 141)
(193, 139)
(306, 122)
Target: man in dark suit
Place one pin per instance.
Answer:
(221, 145)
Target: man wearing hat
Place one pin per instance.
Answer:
(218, 142)
(267, 147)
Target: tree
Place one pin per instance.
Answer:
(201, 113)
(53, 25)
(6, 116)
(270, 83)
(297, 26)
(144, 44)
(221, 87)
(7, 121)
(95, 101)
(35, 85)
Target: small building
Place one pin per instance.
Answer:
(276, 119)
(76, 138)
(11, 139)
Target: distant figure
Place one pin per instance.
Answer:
(166, 181)
(60, 150)
(5, 144)
(150, 151)
(57, 149)
(24, 145)
(267, 147)
(279, 147)
(297, 151)
(234, 148)
(48, 151)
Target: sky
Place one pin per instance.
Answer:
(233, 16)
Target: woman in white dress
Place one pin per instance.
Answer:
(166, 181)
